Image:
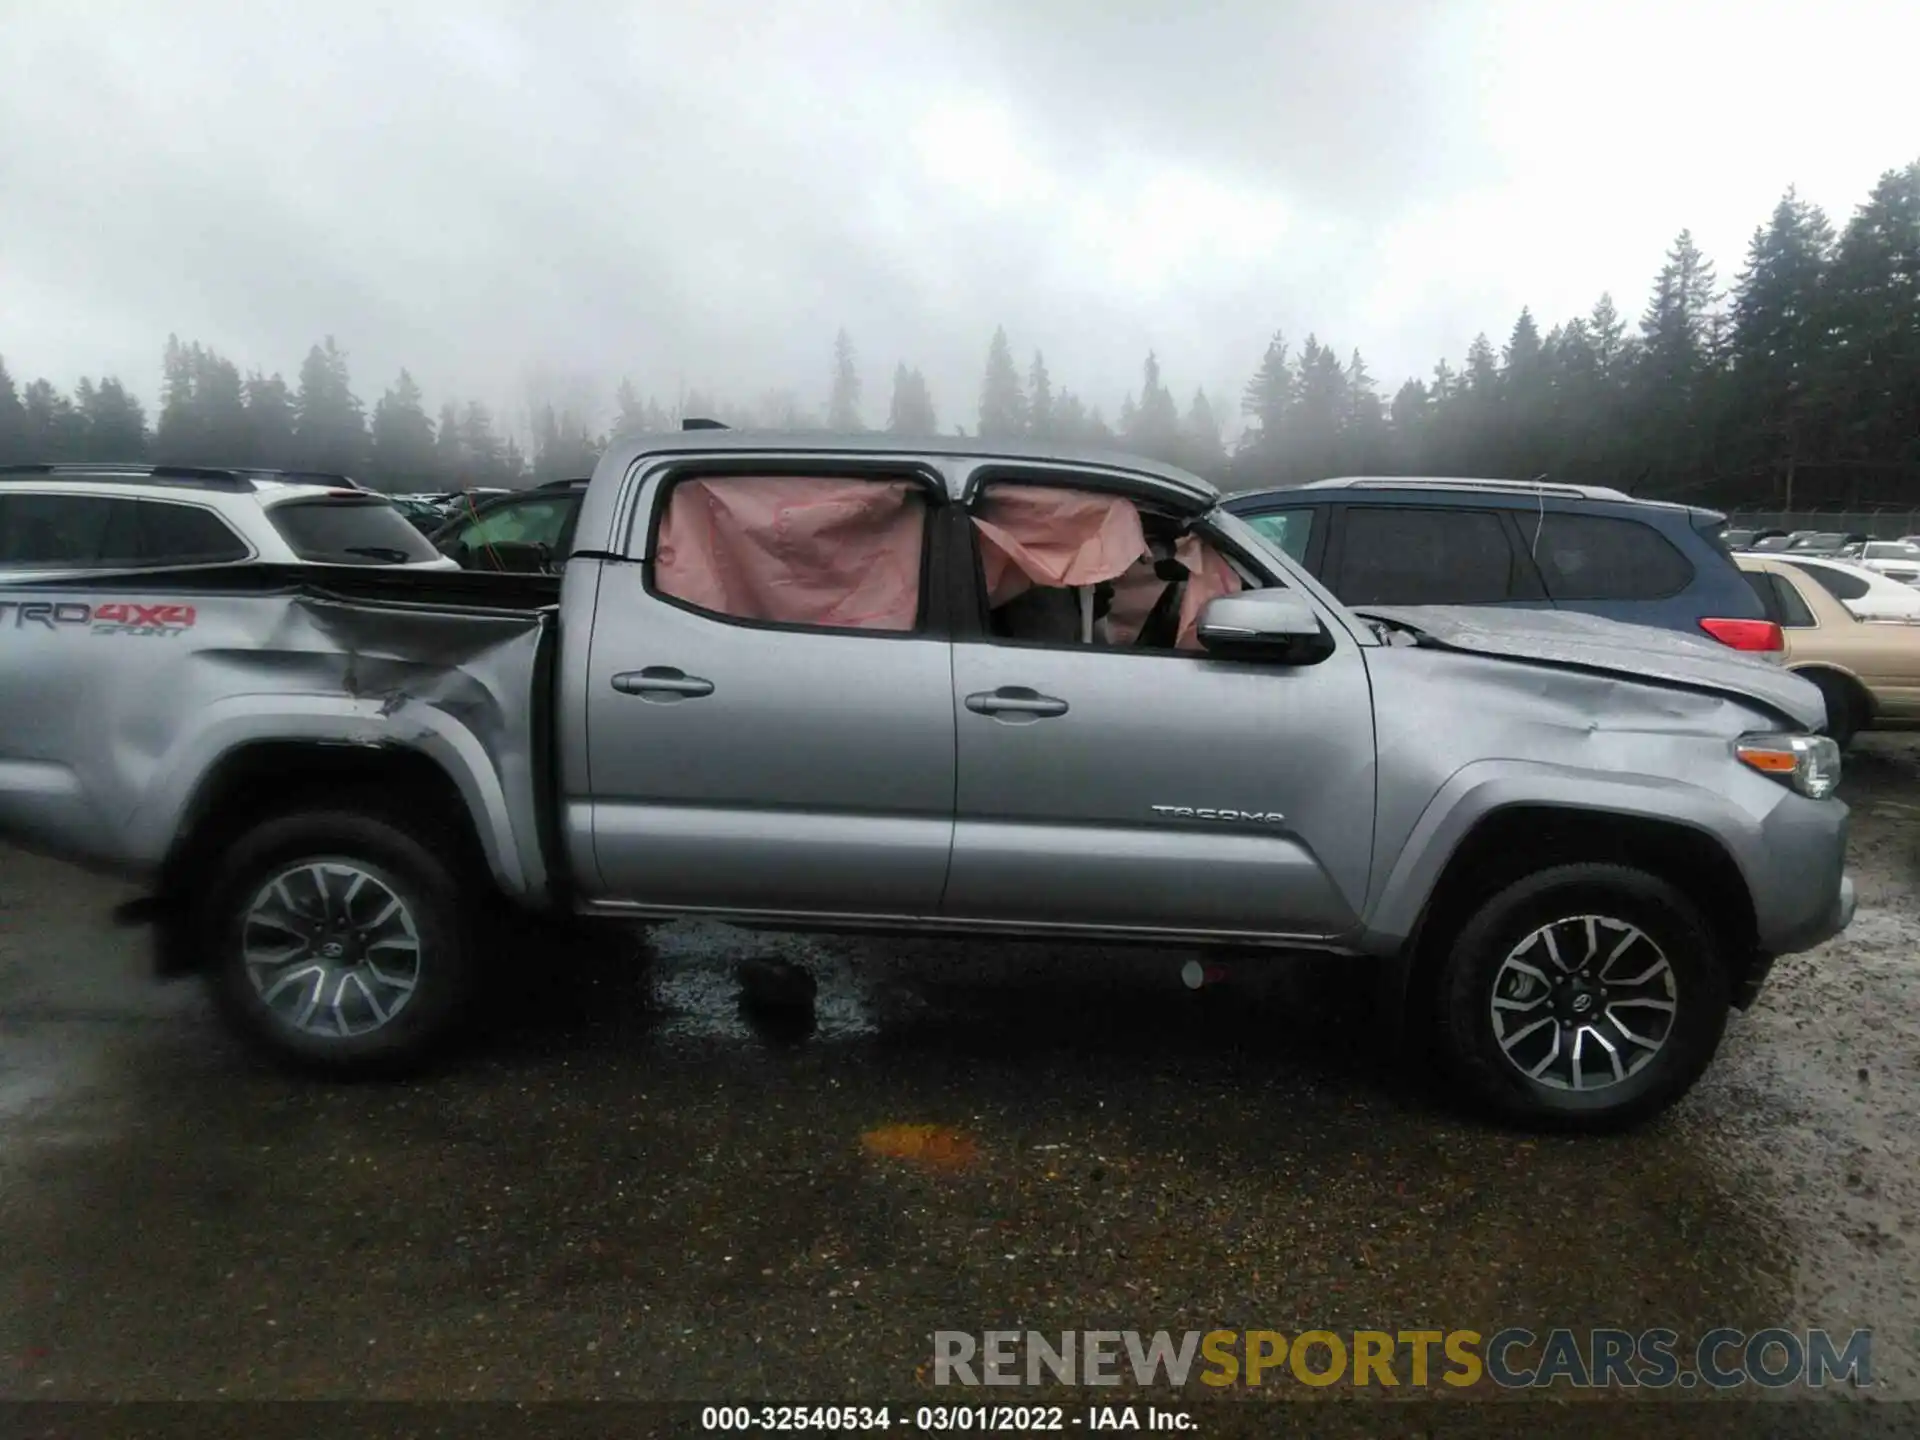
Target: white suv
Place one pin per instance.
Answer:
(57, 519)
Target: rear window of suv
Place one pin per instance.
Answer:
(349, 532)
(1597, 557)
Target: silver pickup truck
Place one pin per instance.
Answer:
(940, 686)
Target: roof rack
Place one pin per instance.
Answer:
(1434, 482)
(693, 422)
(196, 477)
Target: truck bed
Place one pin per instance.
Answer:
(137, 687)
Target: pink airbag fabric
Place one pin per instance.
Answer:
(802, 550)
(1035, 535)
(1209, 576)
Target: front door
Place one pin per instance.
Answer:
(743, 763)
(1161, 789)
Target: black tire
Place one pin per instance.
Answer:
(412, 868)
(1844, 710)
(1471, 1049)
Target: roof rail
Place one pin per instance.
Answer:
(191, 476)
(1423, 482)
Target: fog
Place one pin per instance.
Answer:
(503, 196)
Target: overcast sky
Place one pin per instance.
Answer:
(498, 195)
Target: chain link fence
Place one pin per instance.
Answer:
(1879, 524)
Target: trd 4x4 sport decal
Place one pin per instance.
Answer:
(118, 617)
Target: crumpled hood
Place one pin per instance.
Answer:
(1587, 642)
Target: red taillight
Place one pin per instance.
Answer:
(1746, 634)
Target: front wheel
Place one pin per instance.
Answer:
(1582, 997)
(338, 942)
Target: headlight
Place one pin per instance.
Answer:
(1809, 763)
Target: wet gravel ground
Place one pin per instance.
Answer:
(631, 1188)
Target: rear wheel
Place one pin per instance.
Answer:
(338, 942)
(1584, 996)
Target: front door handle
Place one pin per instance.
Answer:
(661, 682)
(1015, 700)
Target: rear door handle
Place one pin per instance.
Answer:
(1015, 700)
(661, 682)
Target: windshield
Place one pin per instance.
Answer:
(1893, 550)
(341, 531)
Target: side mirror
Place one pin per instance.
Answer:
(1277, 626)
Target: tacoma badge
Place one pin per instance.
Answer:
(1205, 812)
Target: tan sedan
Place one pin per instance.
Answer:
(1869, 670)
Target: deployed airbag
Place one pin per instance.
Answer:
(1037, 535)
(1137, 593)
(799, 549)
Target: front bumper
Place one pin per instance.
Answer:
(1837, 918)
(1839, 915)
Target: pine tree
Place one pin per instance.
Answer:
(513, 465)
(633, 416)
(329, 423)
(1070, 421)
(1481, 377)
(178, 437)
(1873, 388)
(1156, 424)
(1039, 399)
(481, 448)
(13, 420)
(451, 464)
(1202, 450)
(1671, 368)
(911, 412)
(1780, 341)
(1003, 405)
(1674, 327)
(1268, 398)
(843, 405)
(1519, 444)
(219, 411)
(402, 438)
(54, 428)
(564, 447)
(1409, 419)
(1362, 426)
(115, 424)
(1319, 410)
(269, 416)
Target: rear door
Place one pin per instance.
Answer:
(1430, 555)
(1105, 786)
(769, 726)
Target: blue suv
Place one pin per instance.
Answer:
(1407, 541)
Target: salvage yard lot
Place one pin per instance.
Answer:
(629, 1188)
